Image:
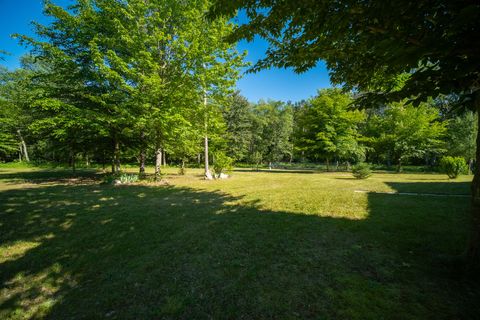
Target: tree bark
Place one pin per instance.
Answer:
(473, 251)
(72, 159)
(116, 156)
(158, 162)
(142, 154)
(23, 146)
(208, 174)
(182, 169)
(142, 162)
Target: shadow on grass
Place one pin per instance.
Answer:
(138, 252)
(453, 188)
(52, 175)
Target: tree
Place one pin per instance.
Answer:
(238, 116)
(461, 136)
(367, 45)
(329, 128)
(402, 132)
(272, 132)
(134, 69)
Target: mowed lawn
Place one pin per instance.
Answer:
(261, 245)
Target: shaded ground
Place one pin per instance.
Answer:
(225, 250)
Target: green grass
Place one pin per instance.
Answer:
(261, 245)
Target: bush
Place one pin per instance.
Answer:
(361, 171)
(222, 163)
(453, 166)
(123, 178)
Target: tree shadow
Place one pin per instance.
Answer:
(92, 251)
(52, 175)
(440, 187)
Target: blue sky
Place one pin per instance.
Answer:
(278, 84)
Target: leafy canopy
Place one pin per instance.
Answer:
(367, 45)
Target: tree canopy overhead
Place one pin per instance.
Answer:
(367, 45)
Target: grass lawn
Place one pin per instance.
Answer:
(261, 245)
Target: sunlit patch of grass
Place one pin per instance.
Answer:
(16, 250)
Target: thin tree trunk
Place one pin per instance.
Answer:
(72, 159)
(328, 165)
(23, 146)
(142, 162)
(116, 156)
(182, 169)
(208, 174)
(473, 251)
(164, 158)
(103, 161)
(399, 167)
(158, 162)
(142, 154)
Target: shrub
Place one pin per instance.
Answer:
(222, 163)
(123, 178)
(128, 178)
(453, 166)
(361, 171)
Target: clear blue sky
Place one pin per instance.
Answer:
(278, 84)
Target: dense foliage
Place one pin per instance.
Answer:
(453, 166)
(361, 171)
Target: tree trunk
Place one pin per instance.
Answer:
(142, 162)
(23, 146)
(72, 159)
(116, 156)
(473, 254)
(182, 169)
(208, 174)
(328, 165)
(164, 158)
(142, 154)
(399, 167)
(103, 161)
(158, 162)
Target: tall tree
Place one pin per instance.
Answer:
(402, 132)
(272, 131)
(238, 116)
(329, 128)
(461, 136)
